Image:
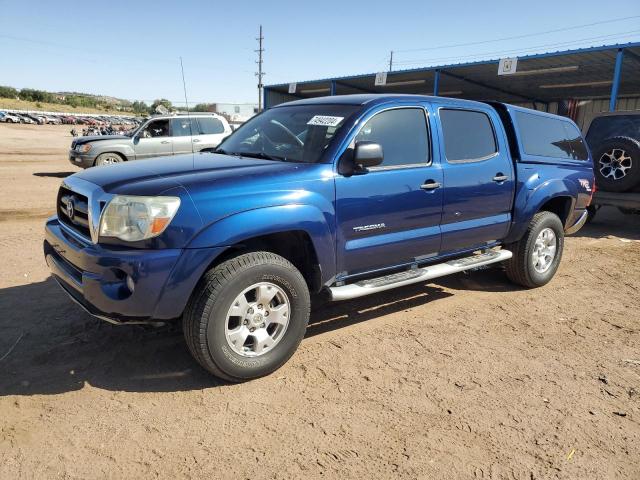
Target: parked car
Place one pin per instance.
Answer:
(25, 118)
(346, 196)
(40, 119)
(158, 136)
(614, 139)
(7, 117)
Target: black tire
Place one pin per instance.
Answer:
(204, 320)
(520, 268)
(108, 158)
(606, 176)
(591, 213)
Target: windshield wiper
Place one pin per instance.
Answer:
(250, 154)
(262, 155)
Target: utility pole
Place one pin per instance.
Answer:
(260, 73)
(391, 61)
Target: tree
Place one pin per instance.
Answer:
(36, 95)
(140, 107)
(162, 101)
(8, 92)
(204, 107)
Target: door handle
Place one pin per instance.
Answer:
(196, 140)
(164, 142)
(500, 178)
(430, 185)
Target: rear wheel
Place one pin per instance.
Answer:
(108, 159)
(247, 316)
(537, 255)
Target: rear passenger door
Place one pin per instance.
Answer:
(211, 132)
(478, 178)
(182, 129)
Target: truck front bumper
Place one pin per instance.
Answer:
(124, 286)
(80, 159)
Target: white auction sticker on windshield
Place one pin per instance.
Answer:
(325, 121)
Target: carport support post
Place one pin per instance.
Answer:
(333, 88)
(436, 82)
(617, 72)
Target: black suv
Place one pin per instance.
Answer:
(614, 139)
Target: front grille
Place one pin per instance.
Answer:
(79, 210)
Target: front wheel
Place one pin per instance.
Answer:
(247, 316)
(108, 159)
(537, 255)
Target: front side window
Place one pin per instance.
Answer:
(182, 127)
(402, 133)
(550, 137)
(468, 135)
(299, 133)
(157, 128)
(210, 126)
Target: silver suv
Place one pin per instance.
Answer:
(158, 136)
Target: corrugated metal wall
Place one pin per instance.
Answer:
(588, 107)
(272, 98)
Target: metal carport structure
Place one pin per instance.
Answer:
(573, 82)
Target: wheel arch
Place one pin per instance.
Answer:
(116, 152)
(299, 233)
(555, 196)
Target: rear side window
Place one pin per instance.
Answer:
(468, 135)
(402, 133)
(210, 126)
(550, 137)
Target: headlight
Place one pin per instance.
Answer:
(132, 218)
(84, 148)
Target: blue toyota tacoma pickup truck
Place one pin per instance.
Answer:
(347, 195)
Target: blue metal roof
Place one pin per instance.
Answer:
(474, 63)
(542, 78)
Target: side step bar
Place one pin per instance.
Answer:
(380, 284)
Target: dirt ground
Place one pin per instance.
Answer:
(465, 377)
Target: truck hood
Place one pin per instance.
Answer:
(95, 138)
(154, 176)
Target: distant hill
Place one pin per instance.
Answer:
(99, 98)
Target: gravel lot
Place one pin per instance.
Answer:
(466, 377)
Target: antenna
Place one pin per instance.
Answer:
(260, 73)
(391, 61)
(186, 102)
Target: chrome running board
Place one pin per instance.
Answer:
(380, 284)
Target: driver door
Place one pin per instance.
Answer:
(154, 140)
(390, 215)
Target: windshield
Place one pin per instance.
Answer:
(296, 133)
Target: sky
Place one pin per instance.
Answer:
(132, 49)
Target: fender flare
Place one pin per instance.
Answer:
(532, 199)
(249, 224)
(124, 150)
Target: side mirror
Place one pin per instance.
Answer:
(367, 154)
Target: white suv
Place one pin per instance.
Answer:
(158, 136)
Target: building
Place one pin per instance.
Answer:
(235, 112)
(575, 83)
